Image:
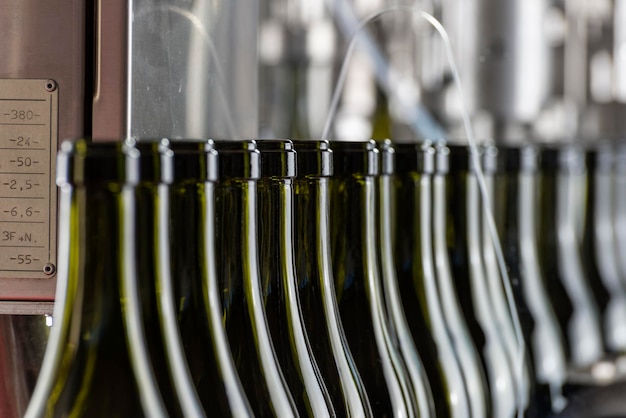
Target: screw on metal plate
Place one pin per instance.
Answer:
(49, 269)
(51, 85)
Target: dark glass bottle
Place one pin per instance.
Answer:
(358, 280)
(92, 345)
(146, 248)
(413, 249)
(191, 305)
(278, 275)
(549, 345)
(240, 280)
(619, 207)
(452, 272)
(559, 256)
(316, 285)
(418, 383)
(141, 270)
(475, 291)
(510, 177)
(599, 246)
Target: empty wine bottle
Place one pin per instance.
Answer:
(417, 379)
(548, 342)
(191, 307)
(140, 222)
(412, 236)
(91, 347)
(599, 246)
(583, 187)
(450, 268)
(358, 282)
(316, 285)
(236, 254)
(278, 275)
(619, 208)
(560, 258)
(508, 171)
(479, 303)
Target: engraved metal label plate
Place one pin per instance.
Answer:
(28, 192)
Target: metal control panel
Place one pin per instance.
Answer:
(28, 192)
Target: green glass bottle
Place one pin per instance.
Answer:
(619, 208)
(316, 285)
(358, 284)
(190, 301)
(419, 386)
(482, 306)
(451, 267)
(140, 273)
(278, 275)
(92, 344)
(237, 256)
(599, 246)
(559, 255)
(549, 344)
(415, 268)
(510, 174)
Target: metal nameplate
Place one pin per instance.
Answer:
(28, 192)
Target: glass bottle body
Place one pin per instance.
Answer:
(282, 303)
(88, 346)
(454, 298)
(242, 301)
(192, 294)
(317, 296)
(561, 261)
(421, 398)
(421, 302)
(359, 292)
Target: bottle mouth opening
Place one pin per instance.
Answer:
(82, 162)
(415, 158)
(278, 158)
(356, 157)
(314, 158)
(238, 159)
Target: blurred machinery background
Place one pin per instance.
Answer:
(531, 70)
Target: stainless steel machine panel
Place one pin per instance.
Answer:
(43, 100)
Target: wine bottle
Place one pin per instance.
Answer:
(560, 257)
(451, 272)
(236, 254)
(156, 170)
(599, 246)
(278, 275)
(547, 344)
(412, 236)
(619, 208)
(191, 306)
(509, 172)
(316, 285)
(141, 271)
(422, 398)
(89, 346)
(481, 305)
(358, 283)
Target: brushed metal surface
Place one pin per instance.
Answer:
(110, 101)
(45, 40)
(194, 69)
